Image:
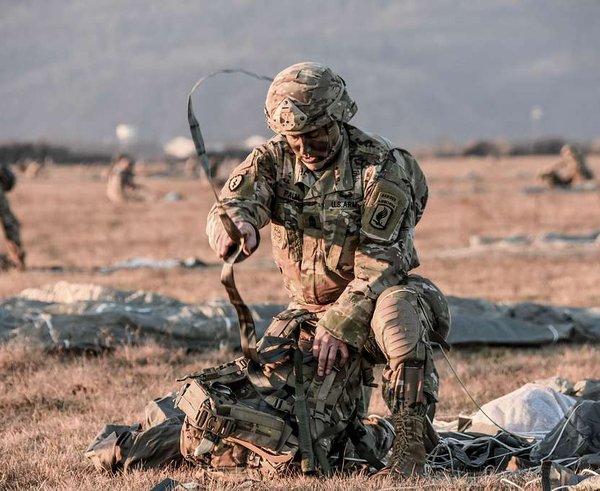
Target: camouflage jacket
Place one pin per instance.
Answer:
(340, 237)
(9, 222)
(572, 168)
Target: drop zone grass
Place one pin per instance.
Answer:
(53, 405)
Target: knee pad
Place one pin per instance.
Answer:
(397, 326)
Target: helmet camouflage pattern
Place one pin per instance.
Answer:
(307, 96)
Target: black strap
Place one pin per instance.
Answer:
(356, 433)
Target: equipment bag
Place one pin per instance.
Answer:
(274, 413)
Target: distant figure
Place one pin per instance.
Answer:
(192, 168)
(33, 168)
(30, 168)
(570, 169)
(121, 186)
(12, 232)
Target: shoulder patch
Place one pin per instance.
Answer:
(384, 211)
(384, 208)
(235, 181)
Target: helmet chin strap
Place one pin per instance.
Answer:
(333, 132)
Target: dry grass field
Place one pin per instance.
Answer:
(52, 406)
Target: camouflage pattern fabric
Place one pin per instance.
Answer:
(340, 236)
(121, 182)
(305, 97)
(12, 232)
(150, 445)
(402, 325)
(261, 404)
(7, 177)
(570, 169)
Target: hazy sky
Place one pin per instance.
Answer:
(420, 71)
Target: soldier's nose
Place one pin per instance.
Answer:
(305, 147)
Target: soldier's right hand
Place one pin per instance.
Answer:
(225, 245)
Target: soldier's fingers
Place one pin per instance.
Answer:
(323, 359)
(249, 234)
(316, 348)
(224, 245)
(331, 358)
(344, 354)
(250, 244)
(221, 247)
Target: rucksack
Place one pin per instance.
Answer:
(272, 415)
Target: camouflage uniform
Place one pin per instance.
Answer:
(10, 224)
(121, 180)
(570, 169)
(343, 237)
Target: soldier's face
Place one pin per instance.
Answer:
(315, 146)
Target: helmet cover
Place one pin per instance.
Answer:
(307, 96)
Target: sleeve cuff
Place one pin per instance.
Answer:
(344, 328)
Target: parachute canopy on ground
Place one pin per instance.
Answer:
(90, 317)
(179, 147)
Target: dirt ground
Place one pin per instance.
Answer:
(53, 406)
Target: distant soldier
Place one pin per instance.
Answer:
(16, 253)
(121, 186)
(34, 168)
(191, 168)
(570, 169)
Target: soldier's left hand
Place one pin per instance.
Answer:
(325, 350)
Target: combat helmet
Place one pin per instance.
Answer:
(307, 96)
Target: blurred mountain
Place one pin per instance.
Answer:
(421, 71)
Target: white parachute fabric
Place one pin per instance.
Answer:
(530, 411)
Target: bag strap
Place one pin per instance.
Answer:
(275, 458)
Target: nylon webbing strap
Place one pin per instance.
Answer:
(305, 440)
(247, 328)
(276, 459)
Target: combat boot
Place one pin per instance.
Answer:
(408, 452)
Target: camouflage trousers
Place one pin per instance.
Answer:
(404, 318)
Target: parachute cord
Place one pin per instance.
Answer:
(230, 70)
(462, 384)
